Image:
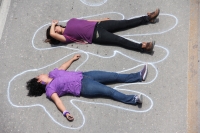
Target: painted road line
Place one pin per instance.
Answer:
(4, 8)
(192, 96)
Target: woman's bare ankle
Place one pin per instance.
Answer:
(144, 45)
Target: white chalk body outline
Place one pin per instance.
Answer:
(95, 3)
(87, 57)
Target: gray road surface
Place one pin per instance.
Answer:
(25, 55)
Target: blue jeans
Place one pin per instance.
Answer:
(93, 85)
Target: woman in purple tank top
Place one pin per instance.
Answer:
(60, 82)
(100, 32)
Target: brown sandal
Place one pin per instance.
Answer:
(150, 46)
(152, 16)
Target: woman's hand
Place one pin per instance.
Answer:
(54, 22)
(106, 19)
(67, 64)
(76, 57)
(69, 117)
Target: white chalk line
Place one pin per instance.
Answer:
(110, 105)
(87, 57)
(147, 34)
(122, 36)
(95, 3)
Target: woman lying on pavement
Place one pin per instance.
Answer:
(60, 82)
(100, 32)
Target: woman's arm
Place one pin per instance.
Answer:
(55, 35)
(60, 106)
(67, 64)
(104, 19)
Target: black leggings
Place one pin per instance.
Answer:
(103, 33)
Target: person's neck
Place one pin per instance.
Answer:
(49, 80)
(63, 29)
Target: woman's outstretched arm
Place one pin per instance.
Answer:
(61, 106)
(67, 64)
(104, 19)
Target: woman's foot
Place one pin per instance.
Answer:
(148, 46)
(152, 16)
(143, 72)
(139, 99)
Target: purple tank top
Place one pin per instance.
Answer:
(79, 29)
(64, 82)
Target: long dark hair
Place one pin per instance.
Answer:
(50, 39)
(35, 88)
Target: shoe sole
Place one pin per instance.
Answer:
(141, 99)
(153, 44)
(145, 74)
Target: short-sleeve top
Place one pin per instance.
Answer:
(79, 29)
(64, 82)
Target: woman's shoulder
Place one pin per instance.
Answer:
(75, 20)
(54, 73)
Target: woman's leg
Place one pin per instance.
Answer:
(112, 77)
(102, 36)
(102, 33)
(118, 25)
(91, 88)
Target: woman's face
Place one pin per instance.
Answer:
(42, 78)
(58, 30)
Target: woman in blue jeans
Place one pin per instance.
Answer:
(100, 32)
(60, 82)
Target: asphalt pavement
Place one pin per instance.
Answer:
(170, 90)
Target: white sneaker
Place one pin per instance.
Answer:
(139, 98)
(143, 72)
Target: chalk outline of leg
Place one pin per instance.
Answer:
(93, 4)
(87, 57)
